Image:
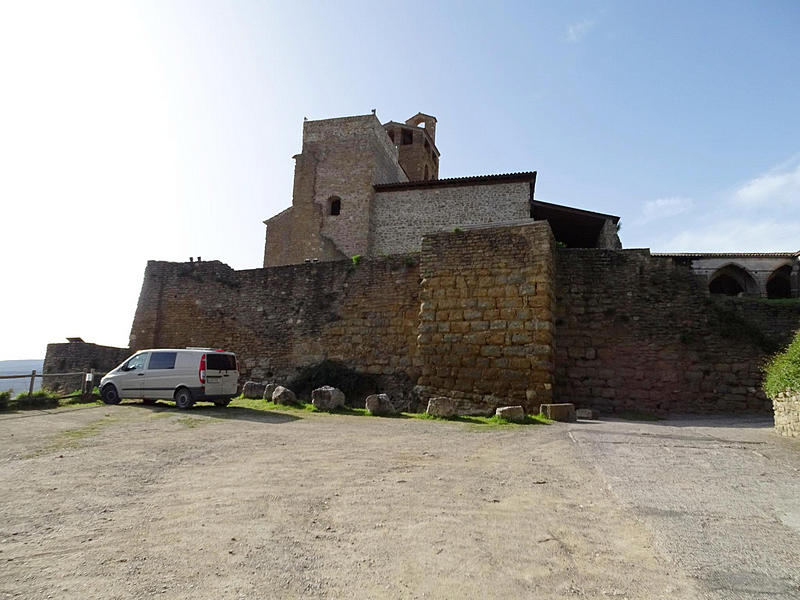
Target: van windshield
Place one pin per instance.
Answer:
(220, 362)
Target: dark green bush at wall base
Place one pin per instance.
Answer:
(782, 373)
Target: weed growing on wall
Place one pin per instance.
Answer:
(782, 373)
(356, 259)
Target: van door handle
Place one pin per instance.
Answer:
(140, 374)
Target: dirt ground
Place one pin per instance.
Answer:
(132, 501)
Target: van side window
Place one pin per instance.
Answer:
(136, 362)
(162, 360)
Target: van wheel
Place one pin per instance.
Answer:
(110, 395)
(183, 398)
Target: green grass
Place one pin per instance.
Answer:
(73, 438)
(782, 373)
(492, 421)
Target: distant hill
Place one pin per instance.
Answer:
(20, 367)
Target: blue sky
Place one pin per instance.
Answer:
(163, 130)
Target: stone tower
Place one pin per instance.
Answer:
(334, 175)
(416, 144)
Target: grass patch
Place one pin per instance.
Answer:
(493, 421)
(191, 422)
(73, 438)
(782, 372)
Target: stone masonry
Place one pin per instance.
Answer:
(486, 319)
(787, 414)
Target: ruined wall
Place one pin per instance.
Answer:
(486, 320)
(635, 331)
(401, 217)
(787, 414)
(282, 319)
(75, 357)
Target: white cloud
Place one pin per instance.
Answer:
(662, 208)
(775, 186)
(735, 235)
(577, 31)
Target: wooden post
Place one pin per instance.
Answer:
(33, 378)
(90, 386)
(83, 385)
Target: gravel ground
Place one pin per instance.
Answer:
(721, 497)
(147, 502)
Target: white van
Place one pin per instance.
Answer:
(187, 376)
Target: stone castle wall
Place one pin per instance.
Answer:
(486, 319)
(490, 315)
(401, 217)
(635, 331)
(77, 357)
(283, 319)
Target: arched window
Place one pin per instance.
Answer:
(732, 280)
(779, 283)
(334, 206)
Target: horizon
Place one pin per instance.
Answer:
(139, 131)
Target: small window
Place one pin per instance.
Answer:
(391, 135)
(408, 136)
(162, 360)
(335, 206)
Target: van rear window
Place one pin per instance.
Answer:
(162, 360)
(220, 362)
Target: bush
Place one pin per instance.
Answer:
(782, 373)
(5, 397)
(40, 399)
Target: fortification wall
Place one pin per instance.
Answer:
(635, 331)
(401, 217)
(74, 357)
(486, 320)
(282, 320)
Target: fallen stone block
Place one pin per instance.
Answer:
(441, 406)
(585, 413)
(269, 389)
(559, 412)
(511, 413)
(253, 390)
(380, 405)
(327, 398)
(282, 395)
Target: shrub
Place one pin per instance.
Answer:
(40, 399)
(782, 373)
(4, 399)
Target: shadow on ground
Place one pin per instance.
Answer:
(241, 413)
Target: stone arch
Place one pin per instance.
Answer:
(732, 280)
(779, 283)
(334, 206)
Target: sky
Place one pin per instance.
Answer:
(160, 130)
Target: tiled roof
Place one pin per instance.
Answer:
(475, 179)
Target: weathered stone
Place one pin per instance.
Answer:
(282, 395)
(269, 389)
(585, 413)
(327, 398)
(787, 414)
(380, 405)
(441, 406)
(559, 412)
(511, 413)
(253, 389)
